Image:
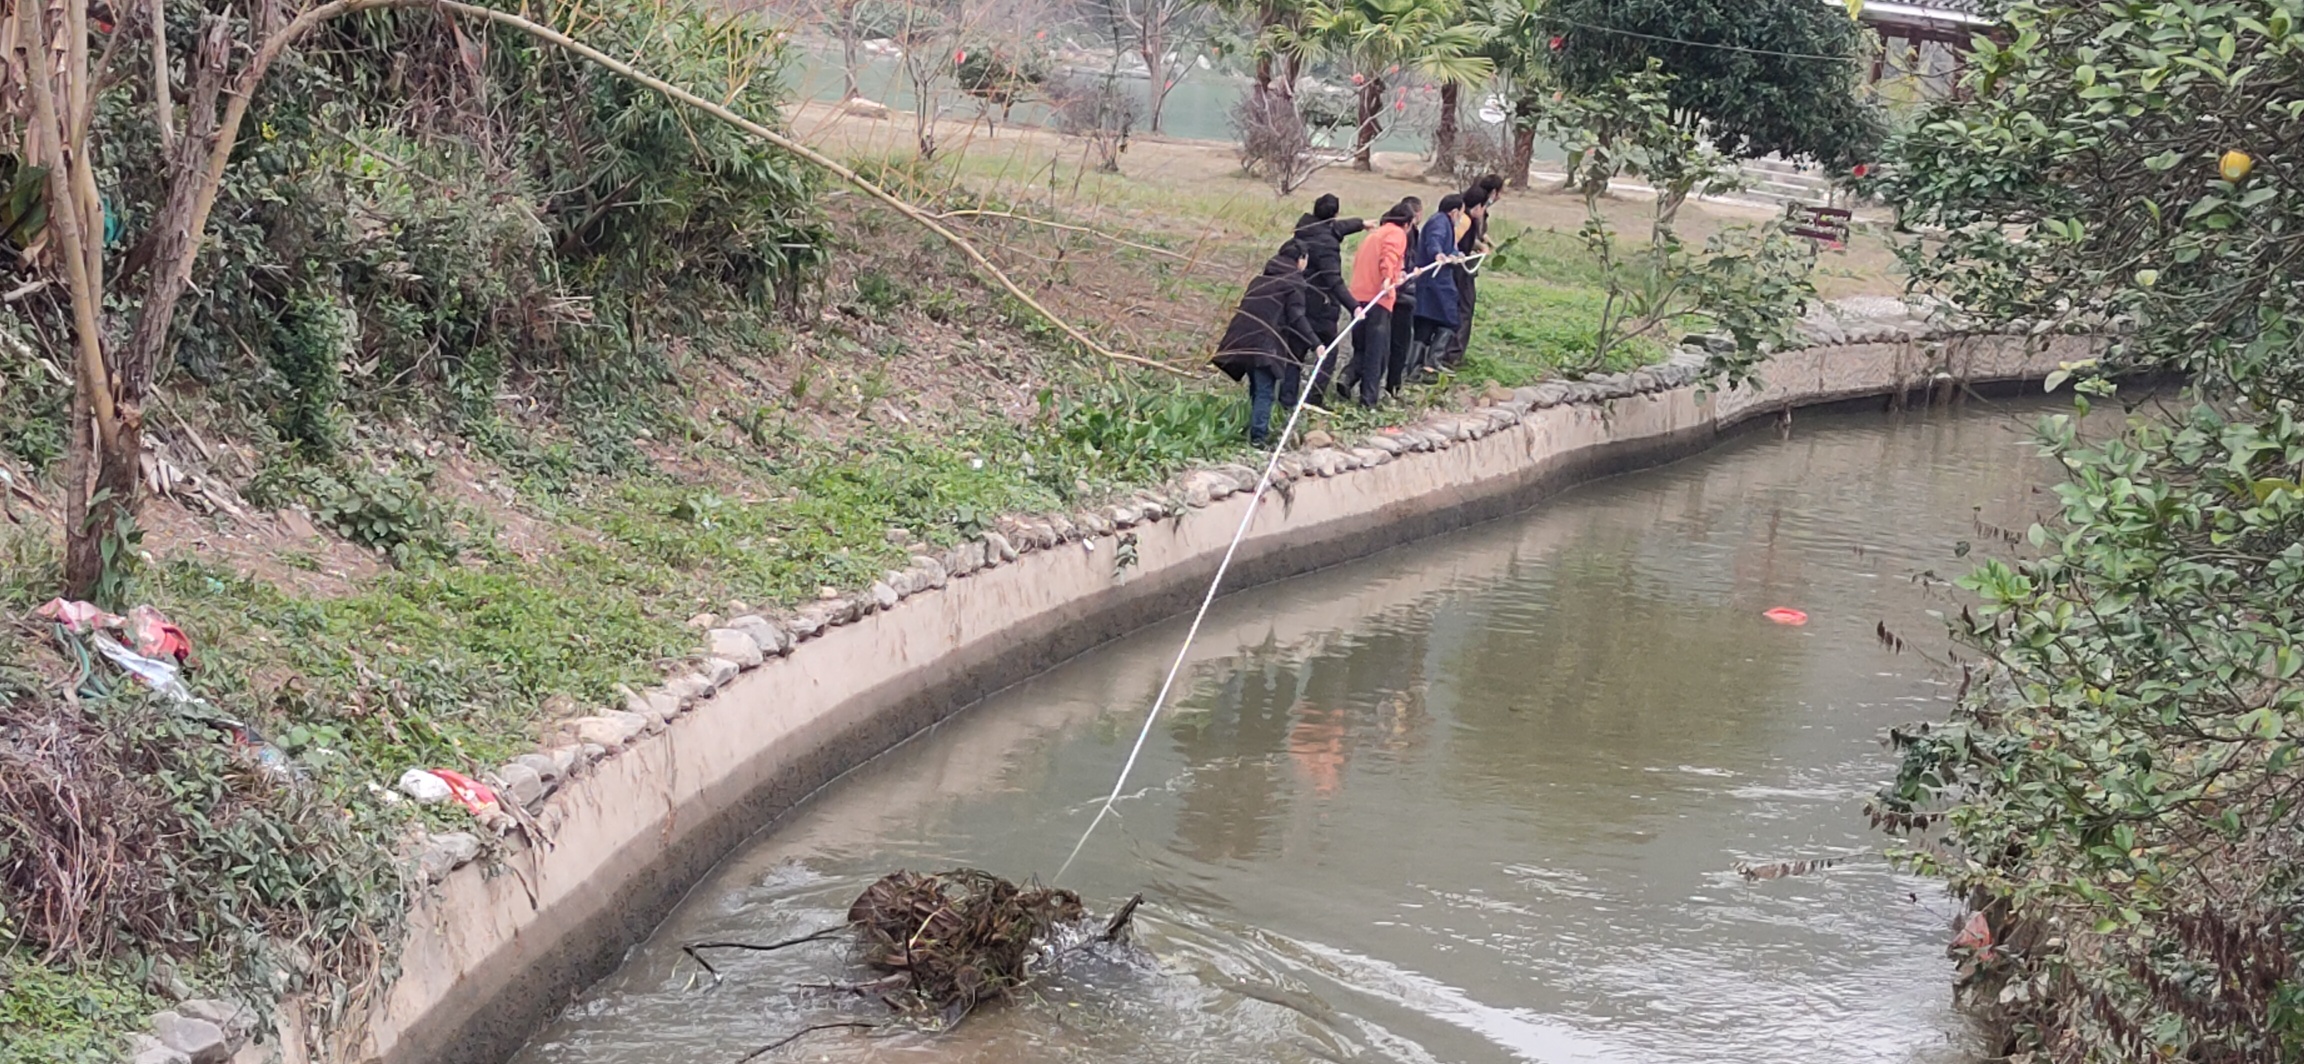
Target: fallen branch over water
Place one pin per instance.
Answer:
(802, 1033)
(692, 948)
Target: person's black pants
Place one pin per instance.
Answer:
(1467, 294)
(1323, 316)
(1403, 335)
(1371, 349)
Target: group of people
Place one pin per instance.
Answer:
(1407, 296)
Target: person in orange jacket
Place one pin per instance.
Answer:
(1377, 270)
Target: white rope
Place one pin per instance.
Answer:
(1255, 500)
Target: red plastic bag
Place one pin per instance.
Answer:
(475, 795)
(157, 637)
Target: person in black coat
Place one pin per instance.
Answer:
(1479, 200)
(1267, 337)
(1320, 234)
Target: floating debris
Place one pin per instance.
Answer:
(1780, 869)
(946, 942)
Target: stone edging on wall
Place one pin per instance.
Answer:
(640, 801)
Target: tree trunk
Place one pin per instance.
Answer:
(1444, 138)
(1371, 123)
(1523, 155)
(848, 56)
(1148, 45)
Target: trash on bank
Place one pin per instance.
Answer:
(1786, 615)
(424, 787)
(77, 617)
(473, 794)
(155, 636)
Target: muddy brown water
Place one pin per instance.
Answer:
(1478, 798)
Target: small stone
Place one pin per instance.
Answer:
(559, 706)
(1390, 445)
(884, 597)
(998, 546)
(964, 559)
(1371, 457)
(608, 730)
(720, 672)
(898, 535)
(1551, 393)
(545, 768)
(738, 607)
(1497, 393)
(841, 611)
(808, 623)
(827, 593)
(591, 753)
(1062, 530)
(703, 620)
(564, 760)
(900, 582)
(688, 687)
(1644, 381)
(1242, 475)
(445, 853)
(770, 639)
(732, 645)
(521, 784)
(928, 573)
(236, 1019)
(200, 1040)
(1318, 438)
(145, 1049)
(656, 707)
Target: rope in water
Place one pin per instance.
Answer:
(1263, 484)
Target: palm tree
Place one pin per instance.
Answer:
(1378, 39)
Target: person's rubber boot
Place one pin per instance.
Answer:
(1420, 368)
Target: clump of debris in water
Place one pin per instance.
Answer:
(943, 943)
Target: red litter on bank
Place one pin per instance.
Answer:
(1786, 615)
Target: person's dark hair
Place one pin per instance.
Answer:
(1398, 214)
(1326, 206)
(1475, 196)
(1493, 183)
(1291, 251)
(1414, 204)
(1451, 202)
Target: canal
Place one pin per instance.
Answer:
(1478, 798)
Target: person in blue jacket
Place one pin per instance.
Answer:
(1437, 305)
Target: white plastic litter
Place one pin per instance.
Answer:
(423, 786)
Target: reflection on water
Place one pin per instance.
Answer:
(1475, 799)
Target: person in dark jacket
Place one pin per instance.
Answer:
(1436, 305)
(1404, 309)
(1263, 343)
(1479, 200)
(1321, 236)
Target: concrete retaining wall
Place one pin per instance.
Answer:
(495, 951)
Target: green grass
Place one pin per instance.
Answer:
(54, 1016)
(1526, 330)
